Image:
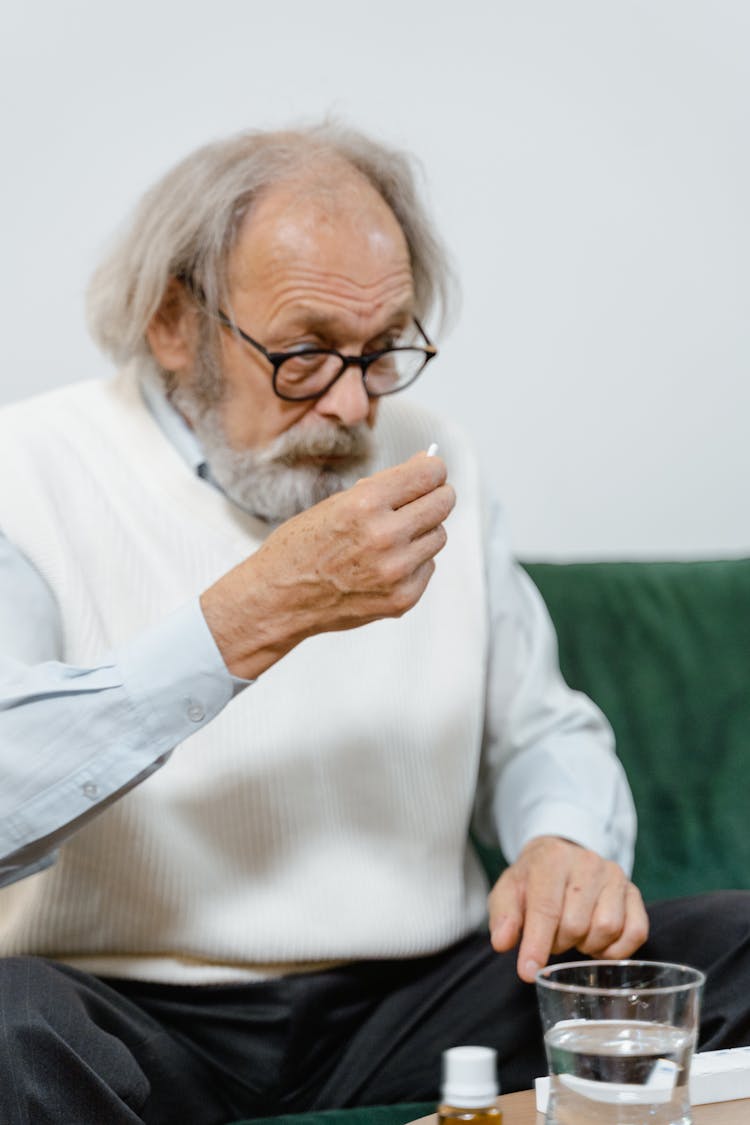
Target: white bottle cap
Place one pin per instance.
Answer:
(469, 1077)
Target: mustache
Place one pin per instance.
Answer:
(350, 443)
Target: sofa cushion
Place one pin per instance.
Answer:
(362, 1115)
(664, 649)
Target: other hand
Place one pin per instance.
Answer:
(559, 895)
(362, 554)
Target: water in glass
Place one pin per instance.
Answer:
(618, 1072)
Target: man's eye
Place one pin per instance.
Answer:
(306, 355)
(302, 349)
(391, 340)
(304, 360)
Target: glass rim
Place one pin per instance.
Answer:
(697, 978)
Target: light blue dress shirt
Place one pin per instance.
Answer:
(96, 732)
(72, 740)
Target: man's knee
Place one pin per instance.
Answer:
(730, 908)
(703, 930)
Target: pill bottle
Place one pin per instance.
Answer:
(469, 1087)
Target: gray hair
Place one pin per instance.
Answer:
(187, 225)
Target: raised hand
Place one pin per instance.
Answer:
(360, 555)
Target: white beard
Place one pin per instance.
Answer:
(279, 480)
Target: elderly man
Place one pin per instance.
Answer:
(255, 694)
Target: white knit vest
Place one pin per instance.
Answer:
(323, 815)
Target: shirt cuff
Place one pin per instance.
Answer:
(108, 728)
(176, 675)
(571, 822)
(13, 868)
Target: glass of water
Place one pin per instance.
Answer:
(619, 1037)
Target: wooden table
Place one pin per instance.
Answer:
(520, 1109)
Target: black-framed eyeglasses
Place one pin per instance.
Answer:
(308, 372)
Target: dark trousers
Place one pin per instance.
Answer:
(77, 1050)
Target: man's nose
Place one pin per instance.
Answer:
(347, 400)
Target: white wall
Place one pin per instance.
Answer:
(588, 161)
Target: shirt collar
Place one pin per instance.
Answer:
(172, 424)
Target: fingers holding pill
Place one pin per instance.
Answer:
(363, 554)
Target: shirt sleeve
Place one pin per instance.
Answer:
(548, 765)
(73, 740)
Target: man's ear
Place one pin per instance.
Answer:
(172, 331)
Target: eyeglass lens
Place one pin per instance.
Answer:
(311, 372)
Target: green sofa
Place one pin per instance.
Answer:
(664, 649)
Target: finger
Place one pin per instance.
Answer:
(409, 592)
(406, 482)
(505, 905)
(635, 929)
(399, 575)
(594, 905)
(607, 920)
(581, 895)
(400, 554)
(425, 513)
(544, 904)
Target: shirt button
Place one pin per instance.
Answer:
(90, 790)
(195, 713)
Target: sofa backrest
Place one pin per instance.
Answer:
(664, 649)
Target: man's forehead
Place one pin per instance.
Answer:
(327, 322)
(319, 251)
(301, 217)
